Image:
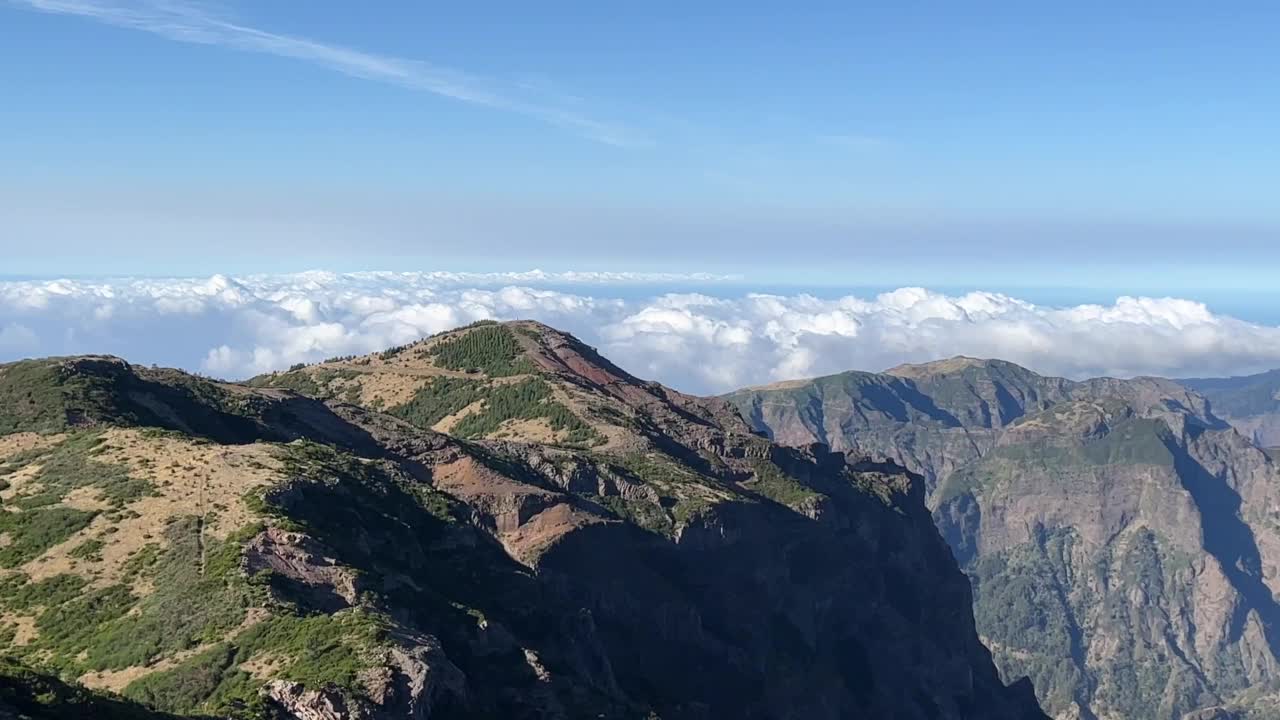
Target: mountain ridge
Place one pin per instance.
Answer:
(495, 521)
(1122, 539)
(1251, 403)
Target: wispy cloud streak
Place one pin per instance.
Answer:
(188, 23)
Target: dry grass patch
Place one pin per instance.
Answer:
(534, 430)
(24, 627)
(448, 421)
(23, 441)
(190, 479)
(20, 482)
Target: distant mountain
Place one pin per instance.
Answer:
(1122, 540)
(1250, 403)
(493, 522)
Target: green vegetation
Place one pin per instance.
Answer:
(688, 508)
(37, 395)
(1027, 602)
(110, 628)
(316, 383)
(527, 399)
(642, 513)
(488, 348)
(317, 650)
(1019, 606)
(685, 493)
(327, 466)
(19, 460)
(415, 557)
(771, 482)
(40, 522)
(1135, 441)
(321, 649)
(141, 561)
(31, 532)
(655, 469)
(90, 549)
(1143, 566)
(81, 624)
(201, 600)
(36, 696)
(439, 399)
(71, 464)
(967, 479)
(17, 593)
(392, 352)
(1131, 441)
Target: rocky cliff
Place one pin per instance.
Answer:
(1123, 542)
(494, 522)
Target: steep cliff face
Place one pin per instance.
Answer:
(1121, 540)
(495, 522)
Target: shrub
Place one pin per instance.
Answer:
(88, 550)
(71, 464)
(439, 399)
(31, 532)
(771, 482)
(18, 593)
(525, 400)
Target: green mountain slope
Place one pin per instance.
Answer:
(494, 522)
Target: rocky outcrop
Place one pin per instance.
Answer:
(302, 570)
(407, 681)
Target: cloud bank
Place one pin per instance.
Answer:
(706, 342)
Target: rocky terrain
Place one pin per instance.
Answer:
(1123, 541)
(491, 523)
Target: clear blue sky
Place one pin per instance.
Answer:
(943, 143)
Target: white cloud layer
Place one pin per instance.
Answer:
(236, 327)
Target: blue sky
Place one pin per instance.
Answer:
(988, 144)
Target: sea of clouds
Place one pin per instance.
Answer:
(705, 342)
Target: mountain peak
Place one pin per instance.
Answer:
(521, 381)
(574, 542)
(951, 366)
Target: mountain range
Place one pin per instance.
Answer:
(494, 522)
(1250, 403)
(1122, 536)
